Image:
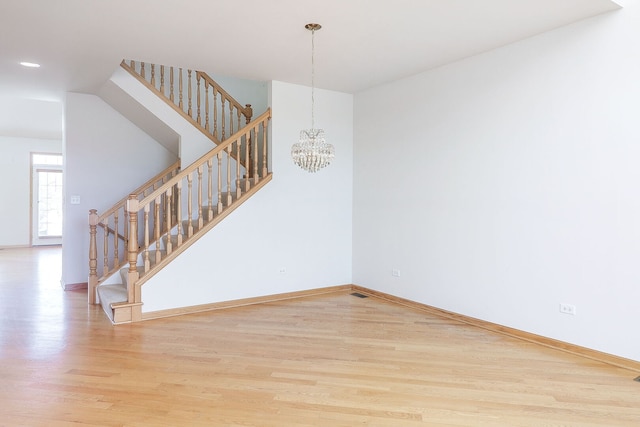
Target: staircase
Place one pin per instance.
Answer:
(150, 227)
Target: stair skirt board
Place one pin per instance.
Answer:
(243, 302)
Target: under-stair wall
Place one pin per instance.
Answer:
(106, 156)
(299, 223)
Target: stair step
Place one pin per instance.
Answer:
(110, 294)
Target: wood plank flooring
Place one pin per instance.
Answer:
(330, 360)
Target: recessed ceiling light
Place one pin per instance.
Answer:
(30, 64)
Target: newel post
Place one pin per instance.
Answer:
(93, 256)
(132, 250)
(248, 112)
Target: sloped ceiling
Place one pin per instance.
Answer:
(363, 43)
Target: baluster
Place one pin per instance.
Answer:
(93, 256)
(179, 211)
(189, 92)
(238, 189)
(239, 111)
(171, 84)
(210, 188)
(157, 222)
(142, 73)
(254, 153)
(206, 105)
(215, 112)
(153, 75)
(133, 64)
(200, 218)
(190, 205)
(222, 100)
(230, 119)
(229, 198)
(219, 183)
(147, 263)
(126, 229)
(132, 253)
(162, 79)
(180, 103)
(169, 246)
(199, 119)
(264, 147)
(116, 255)
(105, 241)
(247, 160)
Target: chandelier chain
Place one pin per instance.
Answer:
(313, 77)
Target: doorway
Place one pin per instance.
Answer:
(47, 196)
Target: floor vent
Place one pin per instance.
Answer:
(637, 379)
(359, 295)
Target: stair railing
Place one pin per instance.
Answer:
(110, 232)
(204, 193)
(212, 110)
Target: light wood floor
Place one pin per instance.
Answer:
(332, 360)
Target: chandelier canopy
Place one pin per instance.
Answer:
(312, 152)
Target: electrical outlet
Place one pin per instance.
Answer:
(568, 309)
(395, 272)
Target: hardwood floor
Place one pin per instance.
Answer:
(330, 360)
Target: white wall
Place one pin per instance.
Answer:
(15, 191)
(242, 256)
(106, 156)
(507, 183)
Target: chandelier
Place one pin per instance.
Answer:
(312, 152)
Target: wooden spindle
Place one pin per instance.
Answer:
(105, 242)
(190, 205)
(116, 257)
(169, 246)
(264, 147)
(206, 105)
(147, 263)
(254, 154)
(215, 113)
(92, 282)
(189, 111)
(247, 161)
(157, 222)
(132, 64)
(219, 183)
(198, 119)
(238, 176)
(179, 211)
(162, 79)
(142, 72)
(171, 97)
(222, 100)
(230, 119)
(153, 75)
(210, 189)
(229, 198)
(200, 218)
(126, 228)
(180, 103)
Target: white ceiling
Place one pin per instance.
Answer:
(363, 43)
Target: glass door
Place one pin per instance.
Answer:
(47, 203)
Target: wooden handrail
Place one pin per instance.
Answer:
(247, 111)
(208, 93)
(205, 157)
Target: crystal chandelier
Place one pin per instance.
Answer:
(312, 153)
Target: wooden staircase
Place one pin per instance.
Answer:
(148, 229)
